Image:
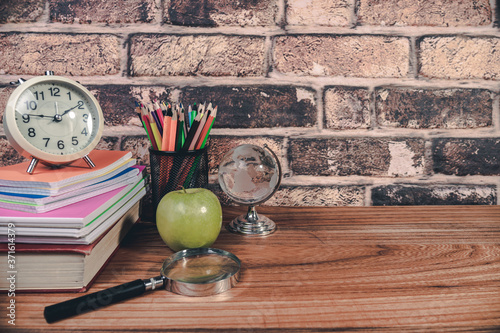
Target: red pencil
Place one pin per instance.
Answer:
(159, 112)
(206, 129)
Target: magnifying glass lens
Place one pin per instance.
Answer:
(204, 268)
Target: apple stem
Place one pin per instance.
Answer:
(184, 189)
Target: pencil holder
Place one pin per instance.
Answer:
(170, 171)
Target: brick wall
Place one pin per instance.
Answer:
(367, 102)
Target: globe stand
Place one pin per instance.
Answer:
(254, 166)
(252, 224)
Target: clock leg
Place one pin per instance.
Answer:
(31, 167)
(87, 159)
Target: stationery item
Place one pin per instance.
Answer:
(192, 114)
(187, 120)
(156, 133)
(169, 171)
(50, 178)
(149, 131)
(192, 272)
(192, 133)
(71, 187)
(42, 203)
(159, 115)
(85, 235)
(77, 215)
(206, 129)
(174, 128)
(144, 123)
(199, 129)
(172, 133)
(59, 268)
(166, 131)
(181, 137)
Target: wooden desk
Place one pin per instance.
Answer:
(383, 269)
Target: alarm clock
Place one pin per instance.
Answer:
(54, 120)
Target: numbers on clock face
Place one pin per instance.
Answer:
(56, 118)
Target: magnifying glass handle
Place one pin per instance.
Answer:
(94, 301)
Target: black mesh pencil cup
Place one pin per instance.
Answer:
(170, 171)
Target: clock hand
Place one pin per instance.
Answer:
(58, 117)
(68, 110)
(25, 115)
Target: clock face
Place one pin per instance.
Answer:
(54, 119)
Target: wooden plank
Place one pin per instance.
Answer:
(387, 269)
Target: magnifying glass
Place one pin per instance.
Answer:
(191, 272)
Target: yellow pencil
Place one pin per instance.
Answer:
(156, 133)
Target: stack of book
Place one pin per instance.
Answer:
(59, 227)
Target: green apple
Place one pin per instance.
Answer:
(189, 218)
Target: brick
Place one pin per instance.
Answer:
(139, 146)
(343, 55)
(324, 196)
(5, 92)
(296, 196)
(357, 156)
(118, 101)
(146, 94)
(208, 55)
(220, 13)
(320, 12)
(257, 106)
(65, 54)
(9, 155)
(460, 57)
(117, 104)
(21, 11)
(219, 146)
(434, 108)
(108, 143)
(347, 108)
(98, 11)
(442, 13)
(412, 195)
(462, 157)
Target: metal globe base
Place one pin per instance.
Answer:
(252, 224)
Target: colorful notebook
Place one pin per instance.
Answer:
(77, 215)
(46, 177)
(35, 203)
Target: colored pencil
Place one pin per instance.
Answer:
(197, 134)
(172, 132)
(167, 121)
(181, 138)
(169, 128)
(150, 132)
(192, 132)
(153, 115)
(139, 113)
(159, 113)
(156, 134)
(206, 129)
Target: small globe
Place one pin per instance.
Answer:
(249, 174)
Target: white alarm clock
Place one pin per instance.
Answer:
(54, 120)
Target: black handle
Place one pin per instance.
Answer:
(93, 301)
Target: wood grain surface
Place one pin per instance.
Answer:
(377, 269)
